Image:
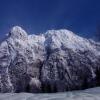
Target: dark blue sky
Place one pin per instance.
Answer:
(35, 16)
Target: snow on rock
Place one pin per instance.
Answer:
(18, 32)
(42, 63)
(57, 38)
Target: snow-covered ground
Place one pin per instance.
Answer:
(89, 94)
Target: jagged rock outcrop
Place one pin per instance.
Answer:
(55, 61)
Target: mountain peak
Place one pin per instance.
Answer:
(16, 28)
(17, 32)
(60, 31)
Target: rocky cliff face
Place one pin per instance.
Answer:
(55, 61)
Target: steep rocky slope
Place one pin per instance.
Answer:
(55, 61)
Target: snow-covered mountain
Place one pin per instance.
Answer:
(55, 61)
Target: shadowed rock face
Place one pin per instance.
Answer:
(55, 61)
